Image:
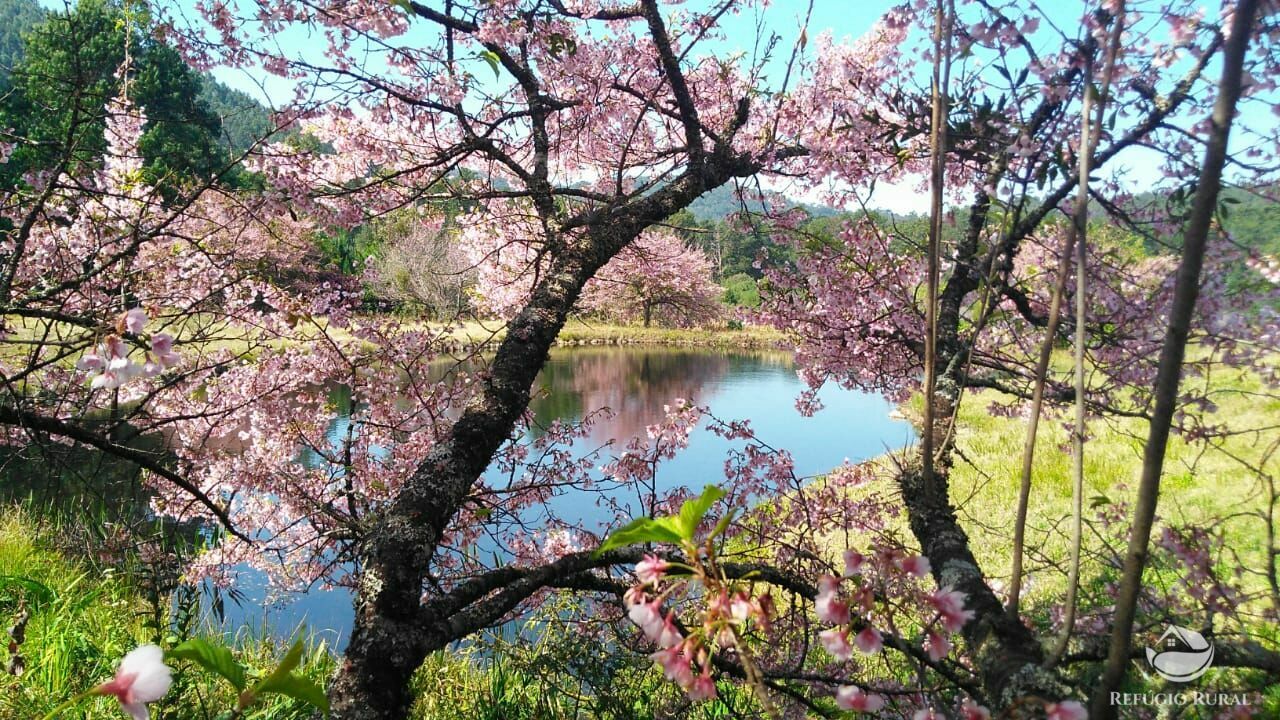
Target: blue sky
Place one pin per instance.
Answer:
(842, 18)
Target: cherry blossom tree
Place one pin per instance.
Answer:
(139, 315)
(234, 370)
(856, 308)
(659, 277)
(420, 262)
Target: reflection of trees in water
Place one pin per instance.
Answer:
(68, 480)
(98, 503)
(635, 384)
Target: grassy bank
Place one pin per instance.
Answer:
(469, 335)
(578, 332)
(584, 332)
(84, 616)
(1201, 484)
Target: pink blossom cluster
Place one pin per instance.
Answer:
(658, 278)
(679, 655)
(110, 366)
(850, 306)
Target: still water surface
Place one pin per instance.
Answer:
(635, 384)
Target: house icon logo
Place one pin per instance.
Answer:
(1181, 654)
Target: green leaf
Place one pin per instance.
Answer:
(403, 5)
(283, 681)
(641, 530)
(296, 687)
(494, 61)
(211, 657)
(1098, 501)
(291, 660)
(694, 509)
(724, 523)
(35, 592)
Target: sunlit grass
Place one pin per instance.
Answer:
(1201, 483)
(85, 618)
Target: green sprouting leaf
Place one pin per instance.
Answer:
(291, 660)
(494, 61)
(724, 523)
(694, 509)
(214, 658)
(296, 687)
(403, 5)
(1098, 501)
(283, 681)
(642, 530)
(34, 592)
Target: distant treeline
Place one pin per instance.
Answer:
(58, 69)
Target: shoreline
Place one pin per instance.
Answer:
(477, 335)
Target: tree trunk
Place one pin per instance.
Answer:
(1033, 422)
(392, 633)
(937, 177)
(393, 630)
(1006, 654)
(1185, 292)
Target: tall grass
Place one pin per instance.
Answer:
(84, 617)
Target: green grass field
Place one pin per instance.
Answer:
(1200, 483)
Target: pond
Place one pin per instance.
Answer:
(635, 383)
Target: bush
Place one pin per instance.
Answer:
(741, 290)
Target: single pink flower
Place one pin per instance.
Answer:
(831, 609)
(109, 380)
(703, 687)
(634, 595)
(651, 569)
(116, 352)
(853, 562)
(91, 362)
(915, 565)
(676, 666)
(670, 635)
(648, 618)
(869, 640)
(971, 710)
(829, 584)
(851, 697)
(1068, 710)
(133, 320)
(141, 678)
(162, 350)
(725, 637)
(836, 642)
(764, 610)
(936, 646)
(950, 606)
